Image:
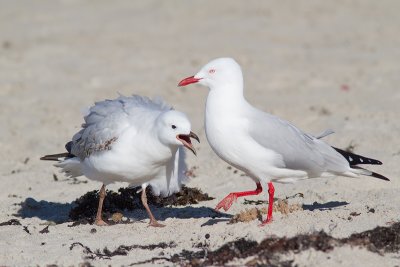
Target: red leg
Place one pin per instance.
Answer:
(227, 202)
(271, 191)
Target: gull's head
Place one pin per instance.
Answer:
(217, 73)
(174, 130)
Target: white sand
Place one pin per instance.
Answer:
(57, 57)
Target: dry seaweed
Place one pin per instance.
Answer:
(25, 228)
(379, 239)
(129, 199)
(282, 206)
(10, 222)
(122, 250)
(45, 230)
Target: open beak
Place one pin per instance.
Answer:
(185, 139)
(188, 80)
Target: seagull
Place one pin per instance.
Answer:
(265, 147)
(130, 139)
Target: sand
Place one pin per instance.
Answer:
(320, 65)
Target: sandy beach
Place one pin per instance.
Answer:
(320, 65)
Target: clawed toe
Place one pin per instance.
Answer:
(100, 223)
(156, 224)
(265, 222)
(226, 203)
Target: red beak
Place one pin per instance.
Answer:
(188, 80)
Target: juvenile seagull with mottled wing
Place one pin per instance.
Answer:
(130, 139)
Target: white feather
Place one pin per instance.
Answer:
(120, 141)
(71, 167)
(260, 144)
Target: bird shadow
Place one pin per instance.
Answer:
(59, 212)
(45, 210)
(187, 212)
(324, 206)
(213, 221)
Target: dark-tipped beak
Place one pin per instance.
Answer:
(185, 139)
(194, 136)
(188, 80)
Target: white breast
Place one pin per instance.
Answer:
(129, 160)
(226, 131)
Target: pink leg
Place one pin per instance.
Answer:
(271, 191)
(227, 202)
(99, 220)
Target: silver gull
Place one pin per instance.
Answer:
(265, 147)
(130, 139)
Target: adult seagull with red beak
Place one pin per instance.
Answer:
(265, 147)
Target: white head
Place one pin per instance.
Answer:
(174, 129)
(218, 73)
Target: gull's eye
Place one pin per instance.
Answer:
(173, 126)
(211, 71)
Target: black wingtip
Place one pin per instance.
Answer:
(48, 157)
(379, 176)
(355, 159)
(370, 173)
(55, 157)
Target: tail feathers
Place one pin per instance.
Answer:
(366, 172)
(57, 157)
(355, 159)
(71, 167)
(69, 164)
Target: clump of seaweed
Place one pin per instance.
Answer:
(129, 199)
(378, 240)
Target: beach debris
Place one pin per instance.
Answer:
(10, 222)
(25, 228)
(267, 252)
(122, 250)
(117, 217)
(321, 110)
(370, 210)
(282, 206)
(129, 199)
(45, 230)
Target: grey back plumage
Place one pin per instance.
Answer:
(107, 119)
(298, 150)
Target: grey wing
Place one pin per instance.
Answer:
(171, 181)
(299, 151)
(107, 119)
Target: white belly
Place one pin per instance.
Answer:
(126, 162)
(234, 145)
(108, 169)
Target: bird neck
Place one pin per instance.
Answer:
(226, 96)
(232, 84)
(159, 150)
